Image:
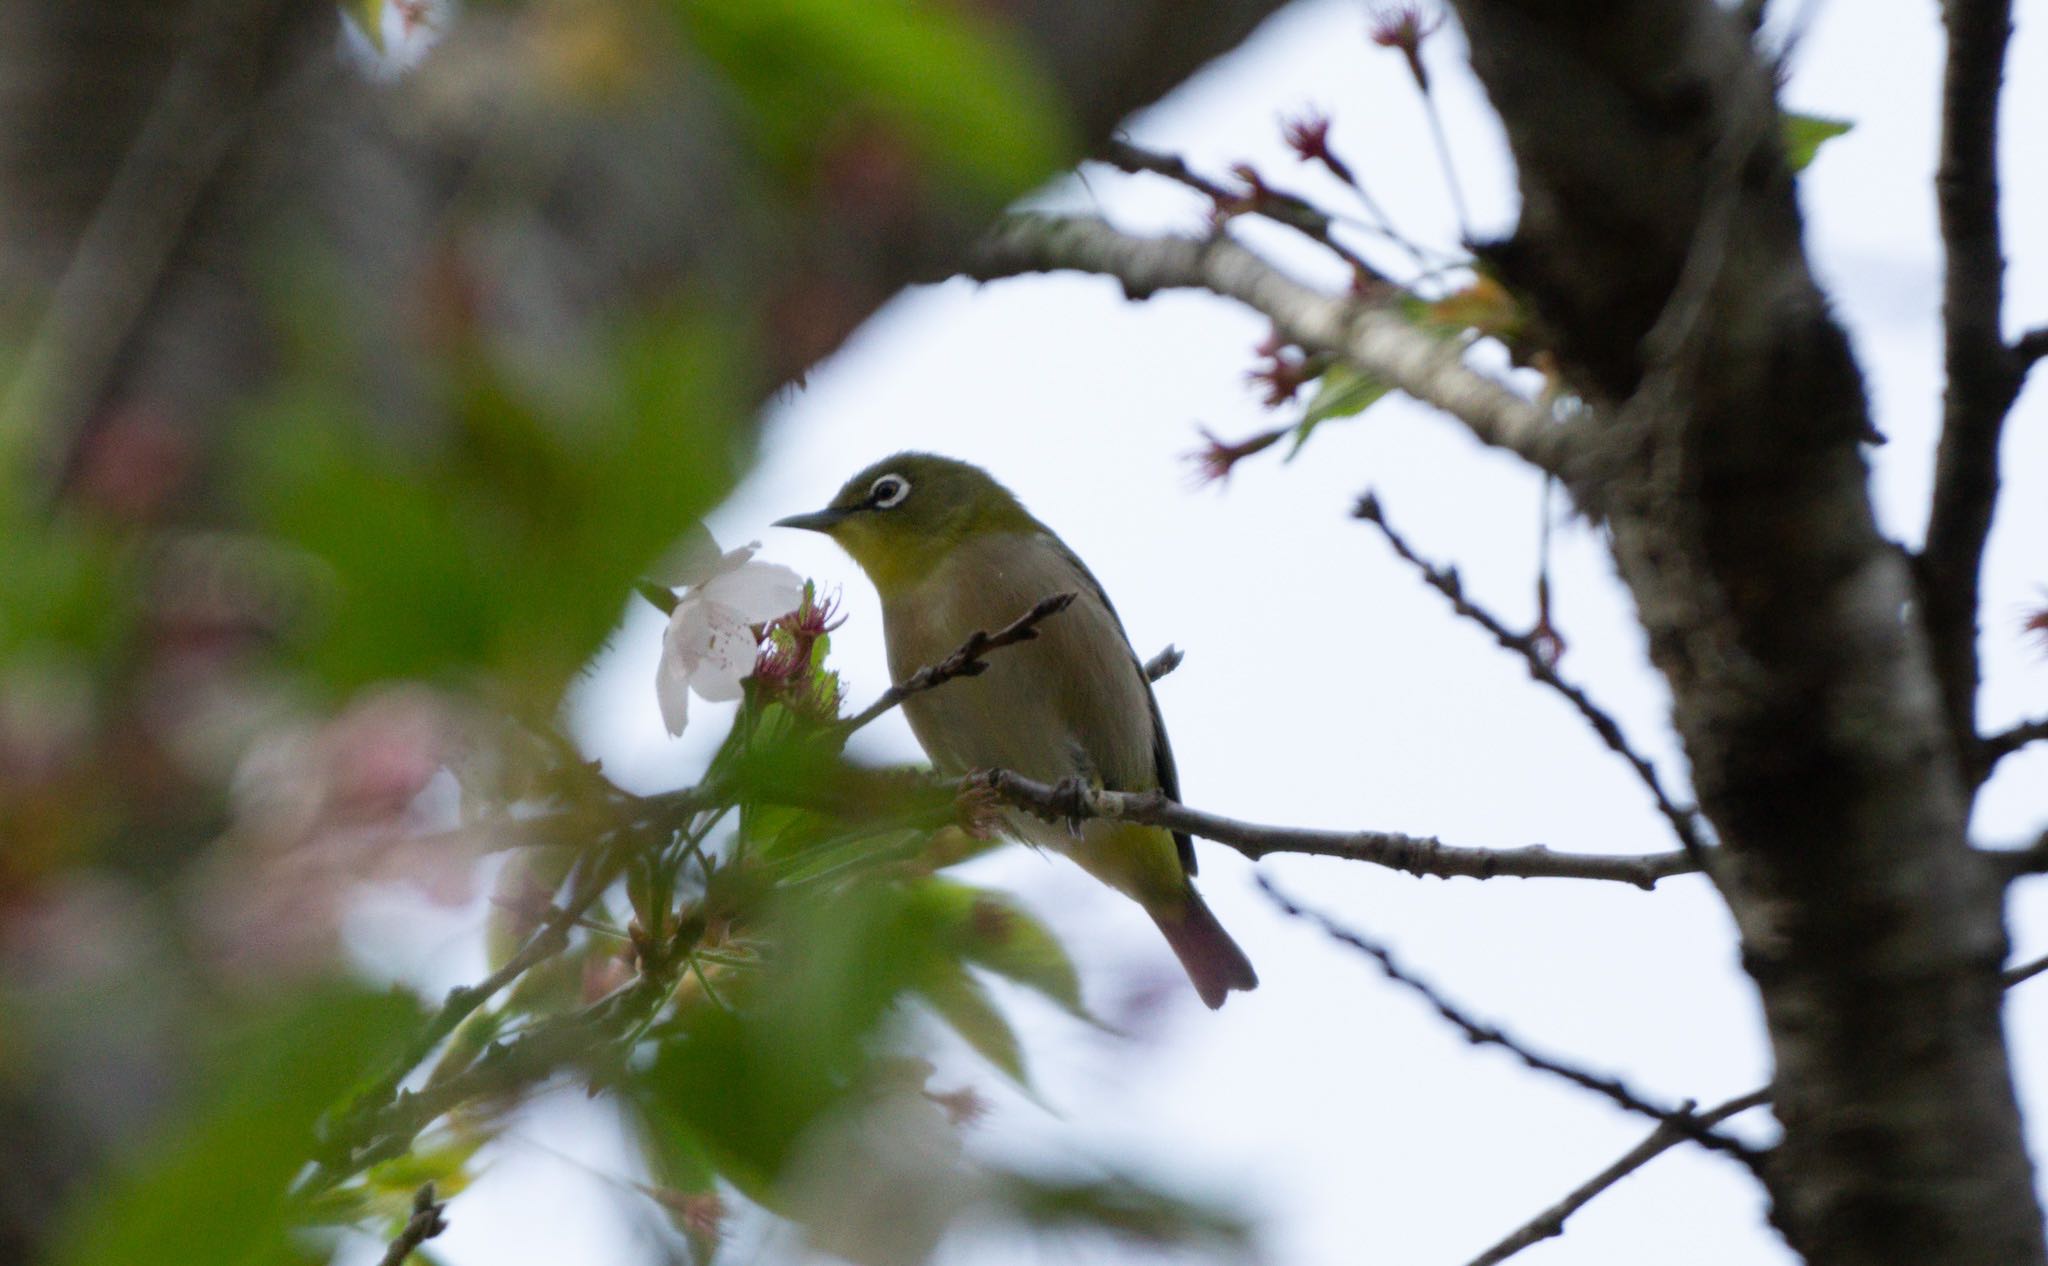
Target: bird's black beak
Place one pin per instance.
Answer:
(816, 521)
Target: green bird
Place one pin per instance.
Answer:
(952, 551)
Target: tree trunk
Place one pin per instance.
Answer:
(1660, 245)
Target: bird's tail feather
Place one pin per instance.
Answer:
(1213, 961)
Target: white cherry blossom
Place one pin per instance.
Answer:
(710, 645)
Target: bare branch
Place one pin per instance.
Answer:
(1983, 374)
(1550, 1223)
(1998, 746)
(1371, 337)
(1413, 854)
(426, 1223)
(2030, 347)
(965, 661)
(1684, 822)
(2024, 972)
(2014, 863)
(1681, 1119)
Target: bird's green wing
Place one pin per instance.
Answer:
(1164, 772)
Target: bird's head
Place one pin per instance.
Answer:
(901, 516)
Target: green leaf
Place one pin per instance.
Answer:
(1341, 392)
(211, 1189)
(992, 931)
(1804, 134)
(746, 1086)
(963, 1003)
(507, 542)
(368, 16)
(1121, 1208)
(961, 96)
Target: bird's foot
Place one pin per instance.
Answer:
(1070, 800)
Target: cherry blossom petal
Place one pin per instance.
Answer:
(692, 560)
(758, 592)
(672, 687)
(729, 563)
(683, 644)
(728, 655)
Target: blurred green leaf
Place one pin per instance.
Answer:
(965, 1006)
(990, 930)
(963, 98)
(1804, 134)
(747, 1085)
(212, 1189)
(1341, 392)
(1122, 1208)
(509, 544)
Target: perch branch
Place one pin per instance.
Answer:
(1416, 855)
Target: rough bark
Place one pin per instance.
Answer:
(1660, 244)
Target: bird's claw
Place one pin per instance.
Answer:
(1070, 801)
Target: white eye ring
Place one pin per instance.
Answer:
(888, 491)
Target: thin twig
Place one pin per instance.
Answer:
(1443, 157)
(426, 1223)
(550, 939)
(1682, 1119)
(1413, 854)
(1684, 822)
(1550, 1223)
(2030, 347)
(1261, 199)
(966, 661)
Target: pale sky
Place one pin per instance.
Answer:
(1324, 685)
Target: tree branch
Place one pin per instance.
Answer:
(1413, 854)
(1684, 822)
(1816, 730)
(1983, 374)
(1998, 746)
(1262, 200)
(1550, 1223)
(1369, 336)
(1682, 1120)
(2013, 863)
(965, 661)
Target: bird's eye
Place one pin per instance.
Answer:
(888, 491)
